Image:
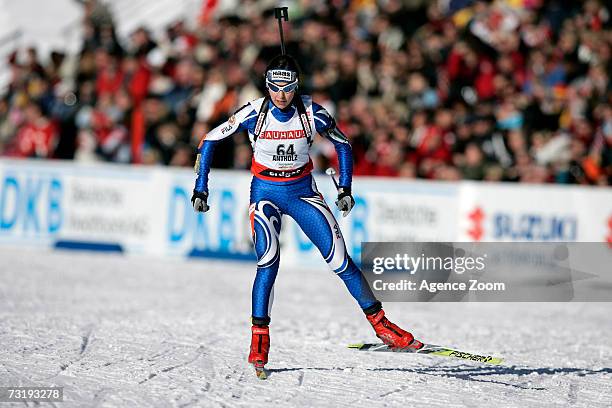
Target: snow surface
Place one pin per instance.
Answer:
(124, 331)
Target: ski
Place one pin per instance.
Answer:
(430, 349)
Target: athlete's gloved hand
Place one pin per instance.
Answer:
(198, 200)
(345, 200)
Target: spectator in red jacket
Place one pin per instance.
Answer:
(37, 136)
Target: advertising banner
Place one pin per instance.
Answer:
(87, 206)
(539, 213)
(147, 210)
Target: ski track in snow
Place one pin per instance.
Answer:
(132, 331)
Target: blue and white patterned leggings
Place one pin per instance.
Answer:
(301, 201)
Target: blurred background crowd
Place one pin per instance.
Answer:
(514, 90)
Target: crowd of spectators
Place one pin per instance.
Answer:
(514, 90)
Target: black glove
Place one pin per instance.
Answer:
(345, 200)
(198, 200)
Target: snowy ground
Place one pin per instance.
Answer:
(117, 331)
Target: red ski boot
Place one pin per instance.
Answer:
(391, 334)
(260, 345)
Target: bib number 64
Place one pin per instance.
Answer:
(280, 150)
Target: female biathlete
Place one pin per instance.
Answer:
(281, 126)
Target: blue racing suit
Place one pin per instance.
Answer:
(282, 184)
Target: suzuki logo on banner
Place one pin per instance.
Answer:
(609, 237)
(521, 226)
